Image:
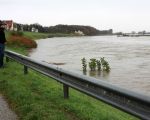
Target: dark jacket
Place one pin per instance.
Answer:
(2, 36)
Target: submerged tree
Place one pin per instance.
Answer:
(84, 64)
(105, 65)
(98, 63)
(92, 64)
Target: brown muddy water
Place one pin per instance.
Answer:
(129, 58)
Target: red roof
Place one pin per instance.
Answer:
(9, 23)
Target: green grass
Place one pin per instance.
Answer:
(21, 50)
(37, 97)
(31, 35)
(34, 35)
(7, 34)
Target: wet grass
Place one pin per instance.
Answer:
(34, 35)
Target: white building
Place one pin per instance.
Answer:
(79, 32)
(34, 30)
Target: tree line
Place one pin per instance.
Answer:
(67, 29)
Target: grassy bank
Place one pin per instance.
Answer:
(36, 36)
(24, 42)
(37, 97)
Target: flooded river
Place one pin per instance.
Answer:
(129, 58)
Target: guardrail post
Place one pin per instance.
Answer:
(66, 91)
(7, 59)
(25, 70)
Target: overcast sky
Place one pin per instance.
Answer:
(120, 15)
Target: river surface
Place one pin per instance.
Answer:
(129, 58)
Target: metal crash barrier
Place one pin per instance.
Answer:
(133, 103)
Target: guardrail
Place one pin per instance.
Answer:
(133, 103)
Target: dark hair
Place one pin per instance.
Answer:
(1, 23)
(2, 29)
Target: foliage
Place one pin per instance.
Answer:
(87, 30)
(101, 64)
(105, 65)
(26, 40)
(84, 64)
(21, 41)
(98, 63)
(92, 64)
(65, 29)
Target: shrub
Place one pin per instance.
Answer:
(21, 41)
(105, 65)
(84, 64)
(101, 64)
(92, 64)
(98, 64)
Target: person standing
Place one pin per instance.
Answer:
(2, 43)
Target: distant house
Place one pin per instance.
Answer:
(34, 30)
(10, 25)
(79, 33)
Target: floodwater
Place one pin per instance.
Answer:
(129, 58)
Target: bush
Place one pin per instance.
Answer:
(92, 64)
(105, 64)
(21, 41)
(101, 64)
(98, 64)
(84, 64)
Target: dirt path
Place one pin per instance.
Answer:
(5, 112)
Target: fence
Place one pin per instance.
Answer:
(128, 101)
